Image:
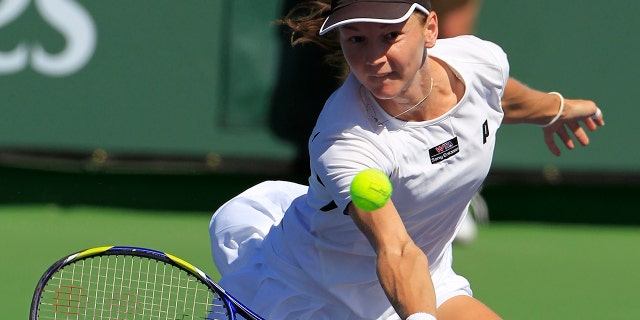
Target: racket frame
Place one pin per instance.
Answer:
(232, 304)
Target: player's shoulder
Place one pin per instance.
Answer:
(473, 57)
(345, 109)
(471, 49)
(464, 43)
(344, 116)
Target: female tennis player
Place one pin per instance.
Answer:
(424, 113)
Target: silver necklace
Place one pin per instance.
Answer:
(380, 123)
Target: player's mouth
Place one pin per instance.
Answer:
(381, 75)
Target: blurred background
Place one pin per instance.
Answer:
(130, 122)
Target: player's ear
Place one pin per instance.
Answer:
(431, 30)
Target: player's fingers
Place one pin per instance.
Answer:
(590, 124)
(586, 111)
(598, 117)
(551, 143)
(593, 121)
(579, 133)
(561, 131)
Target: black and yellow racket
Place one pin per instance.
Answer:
(117, 282)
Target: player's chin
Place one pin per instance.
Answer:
(384, 90)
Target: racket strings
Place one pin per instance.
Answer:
(128, 287)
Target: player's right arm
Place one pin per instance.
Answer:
(403, 269)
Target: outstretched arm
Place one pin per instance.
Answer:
(403, 269)
(555, 114)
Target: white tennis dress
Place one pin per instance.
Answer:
(288, 251)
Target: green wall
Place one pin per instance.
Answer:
(188, 77)
(196, 77)
(584, 49)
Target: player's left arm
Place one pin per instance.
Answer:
(554, 113)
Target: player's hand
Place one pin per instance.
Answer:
(575, 111)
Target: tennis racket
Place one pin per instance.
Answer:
(131, 283)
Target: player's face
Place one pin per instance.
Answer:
(386, 58)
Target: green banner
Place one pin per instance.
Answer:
(197, 78)
(144, 76)
(583, 49)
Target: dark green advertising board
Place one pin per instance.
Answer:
(583, 49)
(196, 78)
(152, 76)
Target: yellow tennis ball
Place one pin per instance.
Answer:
(370, 189)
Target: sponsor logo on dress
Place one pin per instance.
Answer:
(444, 151)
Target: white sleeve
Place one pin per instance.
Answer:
(421, 316)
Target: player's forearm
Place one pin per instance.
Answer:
(405, 278)
(522, 104)
(403, 269)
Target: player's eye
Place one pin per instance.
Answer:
(391, 36)
(356, 39)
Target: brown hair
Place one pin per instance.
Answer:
(304, 21)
